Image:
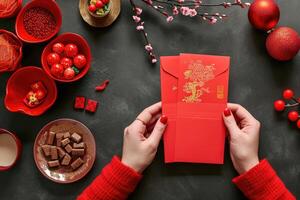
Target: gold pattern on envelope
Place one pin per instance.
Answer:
(197, 75)
(220, 92)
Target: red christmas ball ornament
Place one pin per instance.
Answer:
(283, 43)
(288, 94)
(264, 14)
(279, 105)
(293, 116)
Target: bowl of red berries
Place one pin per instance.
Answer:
(99, 8)
(67, 58)
(30, 91)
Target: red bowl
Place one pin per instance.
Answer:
(50, 5)
(14, 11)
(17, 148)
(83, 48)
(19, 59)
(18, 86)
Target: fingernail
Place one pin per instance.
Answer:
(227, 112)
(164, 119)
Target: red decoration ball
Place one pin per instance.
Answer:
(57, 70)
(71, 50)
(53, 58)
(283, 44)
(264, 14)
(293, 116)
(80, 61)
(66, 62)
(99, 4)
(58, 48)
(69, 73)
(92, 8)
(279, 105)
(288, 94)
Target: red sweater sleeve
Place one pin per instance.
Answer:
(115, 182)
(262, 183)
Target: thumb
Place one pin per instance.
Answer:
(230, 122)
(158, 130)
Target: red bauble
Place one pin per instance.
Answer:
(57, 70)
(279, 105)
(66, 62)
(80, 61)
(69, 73)
(293, 116)
(283, 44)
(288, 94)
(71, 50)
(53, 58)
(264, 14)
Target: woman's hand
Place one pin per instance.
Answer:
(142, 137)
(243, 137)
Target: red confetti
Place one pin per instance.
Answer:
(102, 86)
(91, 106)
(79, 103)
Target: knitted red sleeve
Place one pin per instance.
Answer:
(262, 183)
(115, 182)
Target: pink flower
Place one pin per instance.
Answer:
(149, 2)
(136, 18)
(154, 60)
(180, 1)
(148, 47)
(192, 12)
(238, 1)
(170, 19)
(138, 10)
(175, 11)
(213, 20)
(140, 28)
(184, 10)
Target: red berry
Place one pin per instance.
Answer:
(71, 50)
(105, 1)
(58, 48)
(69, 73)
(99, 4)
(293, 116)
(92, 8)
(53, 58)
(57, 70)
(288, 94)
(279, 105)
(80, 61)
(66, 62)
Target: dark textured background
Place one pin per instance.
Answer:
(255, 82)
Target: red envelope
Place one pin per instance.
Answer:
(194, 95)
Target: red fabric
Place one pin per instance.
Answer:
(115, 182)
(262, 183)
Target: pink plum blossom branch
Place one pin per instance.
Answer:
(188, 8)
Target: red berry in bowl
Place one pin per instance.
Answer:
(69, 73)
(53, 58)
(58, 48)
(279, 105)
(288, 94)
(105, 1)
(71, 50)
(92, 8)
(99, 4)
(66, 62)
(80, 61)
(293, 116)
(57, 70)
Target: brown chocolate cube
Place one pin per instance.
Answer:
(51, 136)
(54, 163)
(77, 152)
(76, 137)
(67, 159)
(77, 163)
(61, 152)
(53, 152)
(59, 138)
(64, 142)
(67, 135)
(46, 150)
(68, 148)
(80, 145)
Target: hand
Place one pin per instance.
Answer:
(243, 137)
(142, 138)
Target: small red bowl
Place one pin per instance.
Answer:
(50, 5)
(11, 147)
(18, 86)
(14, 11)
(83, 48)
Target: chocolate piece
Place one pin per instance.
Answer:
(61, 152)
(54, 163)
(66, 160)
(68, 148)
(53, 152)
(66, 141)
(51, 136)
(77, 152)
(81, 145)
(59, 138)
(76, 137)
(67, 135)
(77, 163)
(46, 149)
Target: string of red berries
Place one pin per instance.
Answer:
(280, 105)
